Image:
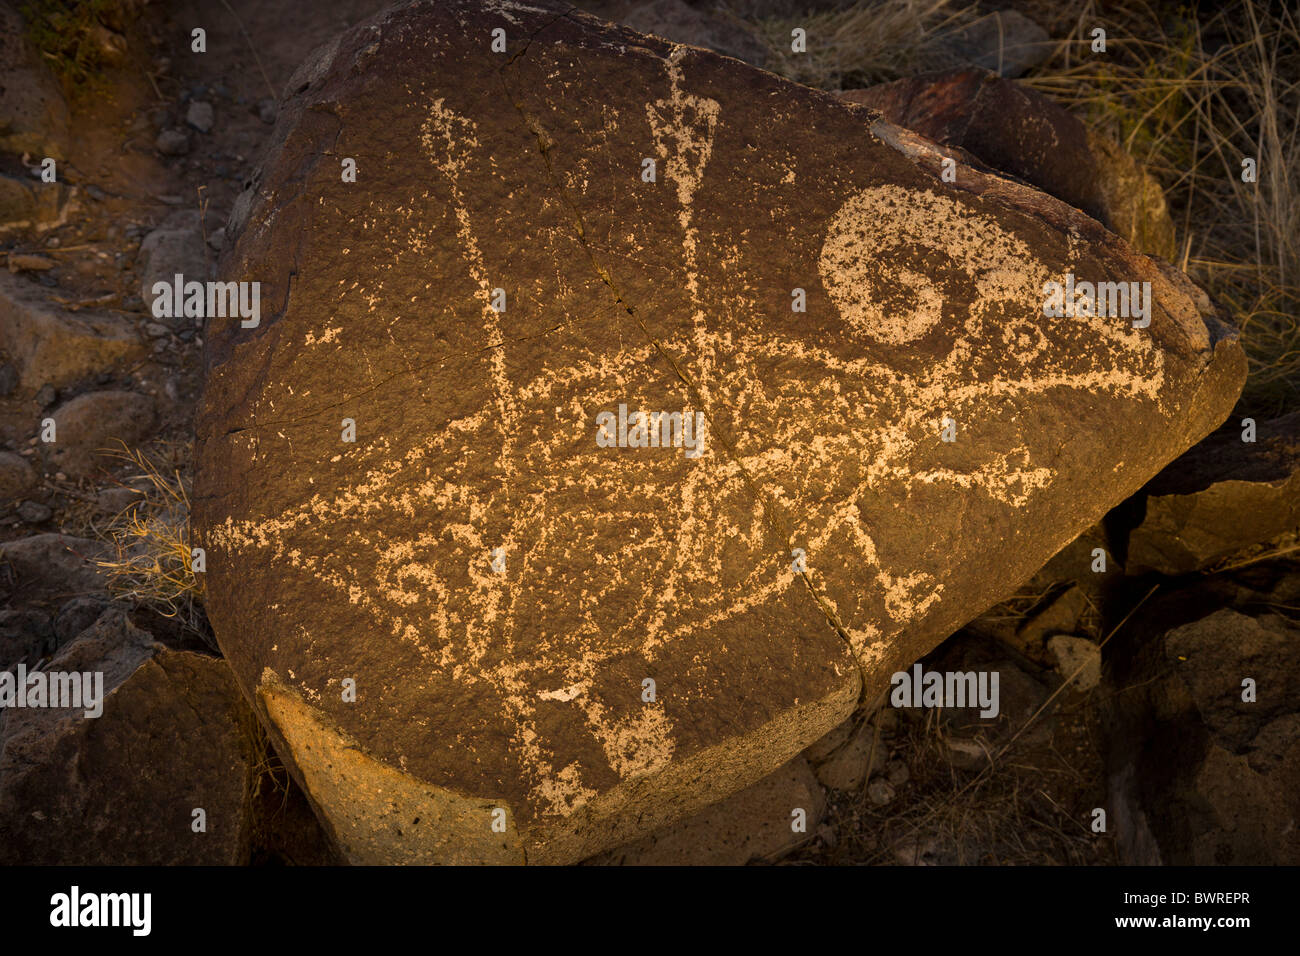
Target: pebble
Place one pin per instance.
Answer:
(155, 330)
(880, 791)
(46, 395)
(33, 512)
(30, 263)
(173, 142)
(8, 379)
(200, 115)
(267, 111)
(896, 772)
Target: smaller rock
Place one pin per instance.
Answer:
(28, 263)
(1222, 497)
(217, 239)
(33, 512)
(175, 247)
(880, 791)
(113, 501)
(200, 115)
(8, 379)
(1060, 616)
(46, 565)
(821, 749)
(119, 787)
(678, 21)
(847, 767)
(25, 637)
(1005, 42)
(46, 395)
(267, 111)
(16, 476)
(1073, 653)
(173, 142)
(155, 330)
(896, 772)
(77, 615)
(96, 422)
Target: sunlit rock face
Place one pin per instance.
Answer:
(504, 623)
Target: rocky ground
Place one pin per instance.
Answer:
(1121, 682)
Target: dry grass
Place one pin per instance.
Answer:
(868, 42)
(1028, 808)
(1190, 99)
(149, 561)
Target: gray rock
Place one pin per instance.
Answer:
(175, 247)
(46, 396)
(200, 116)
(75, 616)
(25, 637)
(121, 788)
(715, 30)
(267, 111)
(8, 379)
(847, 767)
(1006, 42)
(113, 501)
(896, 772)
(1073, 653)
(96, 423)
(33, 512)
(881, 792)
(16, 477)
(55, 347)
(1060, 616)
(53, 565)
(173, 142)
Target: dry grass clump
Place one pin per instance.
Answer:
(1190, 98)
(871, 41)
(149, 541)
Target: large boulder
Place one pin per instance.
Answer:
(1222, 498)
(1204, 762)
(452, 622)
(173, 736)
(54, 347)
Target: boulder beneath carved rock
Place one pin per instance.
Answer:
(1022, 132)
(498, 587)
(1223, 497)
(174, 736)
(1198, 775)
(760, 823)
